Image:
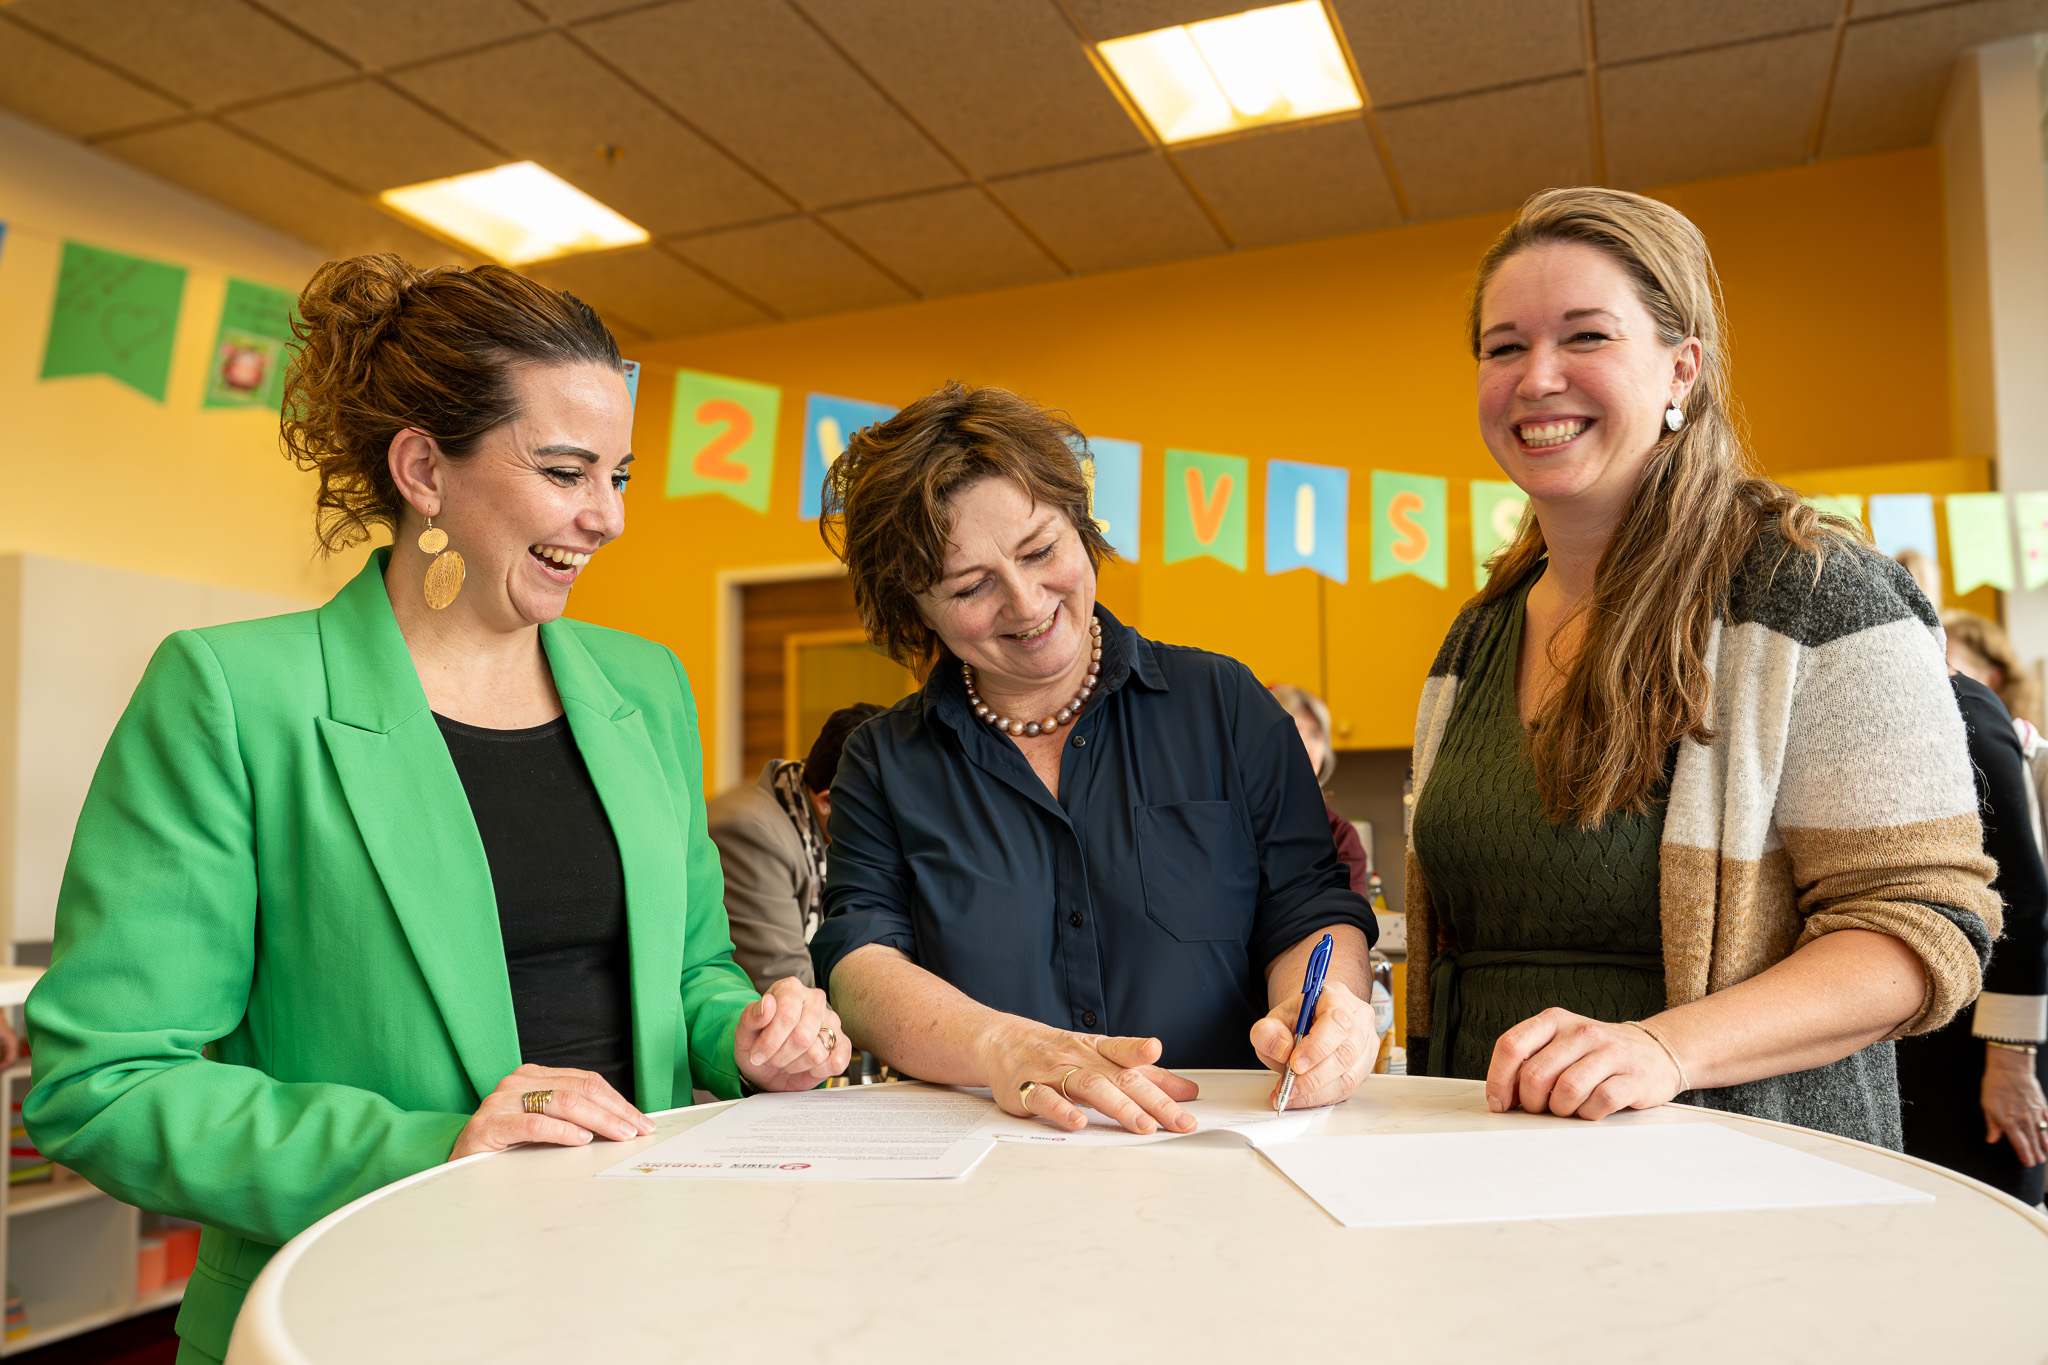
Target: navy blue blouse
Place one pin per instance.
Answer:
(1188, 848)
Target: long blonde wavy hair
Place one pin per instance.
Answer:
(1639, 681)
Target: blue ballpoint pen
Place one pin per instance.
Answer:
(1311, 991)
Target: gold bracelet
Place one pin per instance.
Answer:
(1683, 1084)
(2030, 1049)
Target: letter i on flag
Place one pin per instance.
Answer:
(722, 438)
(828, 421)
(1408, 526)
(1205, 497)
(1308, 519)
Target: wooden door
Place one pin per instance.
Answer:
(802, 657)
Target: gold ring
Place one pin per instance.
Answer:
(829, 1037)
(1063, 1084)
(532, 1100)
(1024, 1095)
(2042, 1124)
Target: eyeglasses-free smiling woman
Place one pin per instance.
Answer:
(423, 873)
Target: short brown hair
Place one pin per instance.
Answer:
(887, 500)
(383, 347)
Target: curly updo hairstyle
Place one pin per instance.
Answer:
(383, 347)
(888, 499)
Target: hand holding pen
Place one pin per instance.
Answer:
(1323, 1041)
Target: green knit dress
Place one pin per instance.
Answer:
(1543, 915)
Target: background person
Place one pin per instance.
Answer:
(1979, 648)
(1070, 831)
(352, 889)
(1694, 813)
(771, 841)
(1312, 723)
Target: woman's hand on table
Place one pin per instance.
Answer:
(790, 1039)
(2014, 1108)
(1116, 1076)
(1564, 1063)
(578, 1106)
(1338, 1052)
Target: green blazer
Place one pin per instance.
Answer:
(278, 982)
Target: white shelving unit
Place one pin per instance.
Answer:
(71, 1250)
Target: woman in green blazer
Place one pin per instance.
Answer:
(292, 958)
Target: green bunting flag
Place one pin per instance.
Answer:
(1848, 505)
(247, 369)
(1205, 506)
(1408, 526)
(2031, 511)
(115, 315)
(1979, 542)
(1497, 507)
(722, 438)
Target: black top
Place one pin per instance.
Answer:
(2019, 964)
(1187, 849)
(561, 894)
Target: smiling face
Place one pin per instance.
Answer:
(537, 497)
(1573, 378)
(1016, 593)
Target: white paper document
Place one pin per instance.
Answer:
(1256, 1124)
(1407, 1179)
(839, 1134)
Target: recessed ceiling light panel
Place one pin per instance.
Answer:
(1264, 66)
(517, 214)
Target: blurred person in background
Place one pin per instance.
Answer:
(1312, 722)
(771, 841)
(1980, 649)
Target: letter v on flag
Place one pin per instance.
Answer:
(1205, 506)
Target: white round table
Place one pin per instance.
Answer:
(1185, 1251)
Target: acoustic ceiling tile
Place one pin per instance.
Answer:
(1407, 51)
(380, 33)
(1292, 184)
(650, 292)
(1724, 111)
(207, 52)
(544, 99)
(946, 242)
(1107, 215)
(1005, 88)
(1488, 152)
(222, 166)
(1119, 18)
(1893, 72)
(366, 134)
(50, 84)
(1632, 29)
(792, 265)
(760, 80)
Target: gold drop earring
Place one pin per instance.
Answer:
(444, 575)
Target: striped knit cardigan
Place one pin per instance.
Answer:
(1837, 794)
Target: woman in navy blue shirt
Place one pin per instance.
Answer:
(1075, 857)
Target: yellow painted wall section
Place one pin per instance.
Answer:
(100, 473)
(1345, 351)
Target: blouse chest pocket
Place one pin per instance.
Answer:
(1201, 871)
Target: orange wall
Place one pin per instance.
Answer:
(1345, 351)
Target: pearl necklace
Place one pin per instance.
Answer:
(1057, 719)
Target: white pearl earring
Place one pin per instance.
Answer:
(1673, 418)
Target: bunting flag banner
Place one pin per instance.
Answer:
(1111, 469)
(115, 315)
(1902, 521)
(2031, 511)
(1205, 497)
(1847, 505)
(1497, 507)
(1308, 519)
(247, 369)
(1979, 542)
(1408, 526)
(828, 421)
(631, 370)
(722, 438)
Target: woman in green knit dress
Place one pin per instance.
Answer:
(1694, 810)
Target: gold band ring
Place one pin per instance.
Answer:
(1063, 1084)
(829, 1037)
(1024, 1095)
(532, 1100)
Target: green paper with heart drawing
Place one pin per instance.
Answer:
(115, 315)
(247, 368)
